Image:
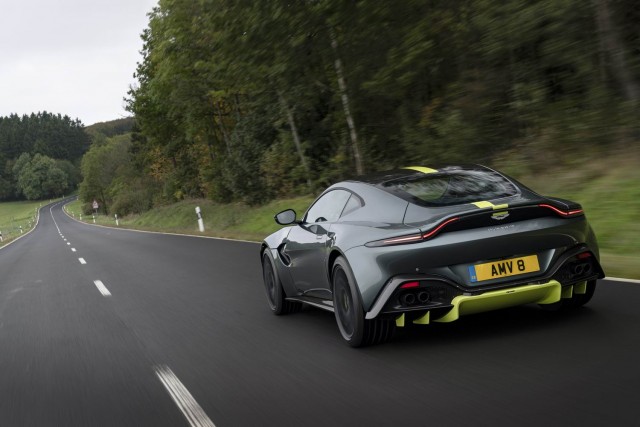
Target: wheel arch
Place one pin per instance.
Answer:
(333, 256)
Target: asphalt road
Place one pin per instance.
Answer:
(177, 332)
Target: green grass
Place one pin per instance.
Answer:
(14, 215)
(233, 220)
(609, 190)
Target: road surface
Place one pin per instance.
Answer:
(106, 327)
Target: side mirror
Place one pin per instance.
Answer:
(286, 217)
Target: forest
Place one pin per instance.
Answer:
(40, 155)
(251, 101)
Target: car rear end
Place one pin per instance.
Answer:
(483, 242)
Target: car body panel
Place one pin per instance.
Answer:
(444, 242)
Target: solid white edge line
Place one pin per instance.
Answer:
(615, 279)
(618, 279)
(102, 288)
(82, 261)
(25, 234)
(160, 232)
(194, 414)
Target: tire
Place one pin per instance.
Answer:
(579, 300)
(275, 294)
(347, 305)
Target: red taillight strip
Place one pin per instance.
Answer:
(413, 237)
(405, 239)
(563, 213)
(433, 232)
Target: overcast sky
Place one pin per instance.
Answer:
(73, 57)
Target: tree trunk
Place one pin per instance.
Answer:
(345, 103)
(611, 46)
(296, 137)
(222, 127)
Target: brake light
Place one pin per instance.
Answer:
(412, 238)
(410, 285)
(564, 214)
(584, 255)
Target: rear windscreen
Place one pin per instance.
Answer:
(453, 188)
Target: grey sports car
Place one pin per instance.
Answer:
(425, 245)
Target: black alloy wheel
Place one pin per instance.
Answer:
(579, 300)
(347, 306)
(273, 287)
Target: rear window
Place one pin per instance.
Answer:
(454, 188)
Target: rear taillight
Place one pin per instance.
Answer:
(413, 238)
(563, 213)
(410, 285)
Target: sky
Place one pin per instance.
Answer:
(73, 57)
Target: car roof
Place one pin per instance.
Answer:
(415, 172)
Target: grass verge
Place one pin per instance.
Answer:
(17, 218)
(609, 191)
(234, 221)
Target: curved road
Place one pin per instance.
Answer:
(164, 330)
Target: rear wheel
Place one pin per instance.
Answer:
(275, 293)
(355, 329)
(579, 300)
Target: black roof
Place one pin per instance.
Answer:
(408, 173)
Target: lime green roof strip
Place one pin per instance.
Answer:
(422, 169)
(484, 204)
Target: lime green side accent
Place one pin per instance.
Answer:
(567, 292)
(424, 320)
(484, 205)
(400, 321)
(580, 288)
(421, 169)
(546, 293)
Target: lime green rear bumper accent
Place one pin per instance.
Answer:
(546, 293)
(580, 288)
(567, 292)
(424, 320)
(400, 321)
(421, 169)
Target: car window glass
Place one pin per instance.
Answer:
(353, 203)
(448, 189)
(328, 207)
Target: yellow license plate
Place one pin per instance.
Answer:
(504, 268)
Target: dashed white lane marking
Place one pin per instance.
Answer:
(73, 249)
(68, 243)
(194, 414)
(82, 261)
(102, 288)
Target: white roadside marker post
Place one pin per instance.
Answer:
(1, 239)
(200, 222)
(94, 218)
(117, 223)
(20, 229)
